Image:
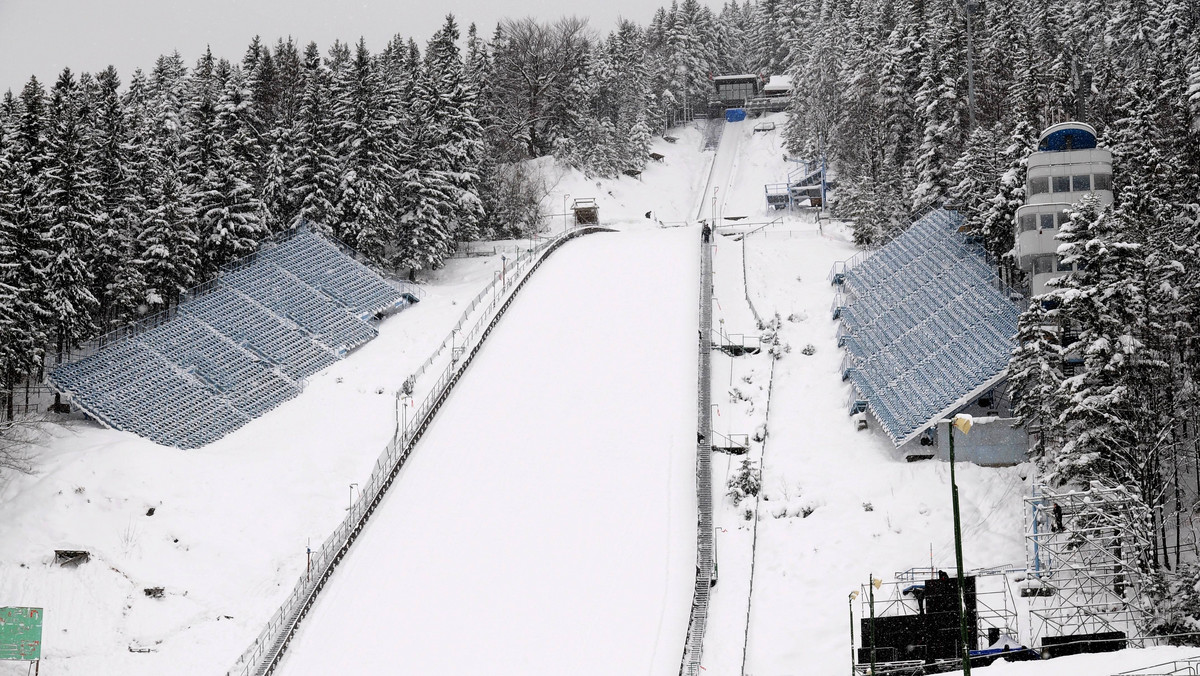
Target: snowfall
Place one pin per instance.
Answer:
(546, 522)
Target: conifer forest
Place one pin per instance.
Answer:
(121, 191)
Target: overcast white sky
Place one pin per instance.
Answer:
(40, 37)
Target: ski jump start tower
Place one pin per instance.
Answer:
(1085, 552)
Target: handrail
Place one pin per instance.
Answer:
(778, 220)
(731, 441)
(745, 279)
(263, 654)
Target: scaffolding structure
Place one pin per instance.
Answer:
(995, 607)
(995, 615)
(1085, 553)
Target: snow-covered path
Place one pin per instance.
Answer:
(546, 522)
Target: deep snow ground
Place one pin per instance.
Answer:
(546, 521)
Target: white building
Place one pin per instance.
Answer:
(1066, 166)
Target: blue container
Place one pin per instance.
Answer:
(735, 114)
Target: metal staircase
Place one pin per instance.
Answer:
(704, 528)
(804, 182)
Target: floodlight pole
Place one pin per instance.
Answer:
(351, 507)
(871, 596)
(566, 196)
(853, 594)
(958, 561)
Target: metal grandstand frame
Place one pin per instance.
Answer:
(1087, 549)
(193, 373)
(883, 335)
(155, 320)
(1186, 667)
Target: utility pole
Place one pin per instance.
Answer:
(969, 7)
(958, 555)
(853, 595)
(871, 592)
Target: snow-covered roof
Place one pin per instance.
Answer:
(727, 78)
(778, 83)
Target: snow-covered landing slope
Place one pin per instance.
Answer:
(546, 522)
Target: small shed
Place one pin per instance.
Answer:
(587, 212)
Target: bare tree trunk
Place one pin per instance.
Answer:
(1178, 505)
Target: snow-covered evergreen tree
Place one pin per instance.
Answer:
(227, 206)
(366, 209)
(22, 335)
(426, 192)
(938, 112)
(1036, 369)
(68, 204)
(996, 224)
(167, 247)
(975, 176)
(121, 204)
(449, 108)
(313, 172)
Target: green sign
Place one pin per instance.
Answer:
(20, 634)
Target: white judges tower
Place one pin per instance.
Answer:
(1066, 166)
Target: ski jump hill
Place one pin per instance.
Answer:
(555, 507)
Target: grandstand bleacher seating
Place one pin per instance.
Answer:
(237, 350)
(925, 322)
(321, 265)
